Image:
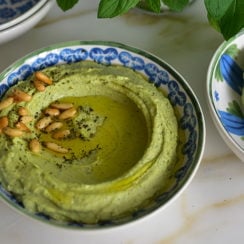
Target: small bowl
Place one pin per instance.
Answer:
(189, 115)
(224, 90)
(16, 18)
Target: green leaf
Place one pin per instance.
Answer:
(112, 8)
(217, 8)
(176, 5)
(66, 4)
(154, 5)
(233, 21)
(226, 16)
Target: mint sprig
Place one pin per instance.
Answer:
(112, 8)
(226, 16)
(176, 5)
(66, 4)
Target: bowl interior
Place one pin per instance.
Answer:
(184, 102)
(225, 84)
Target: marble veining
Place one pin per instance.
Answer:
(191, 219)
(64, 17)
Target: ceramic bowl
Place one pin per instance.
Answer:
(162, 75)
(17, 17)
(224, 90)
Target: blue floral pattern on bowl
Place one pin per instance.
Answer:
(12, 9)
(232, 118)
(188, 111)
(225, 84)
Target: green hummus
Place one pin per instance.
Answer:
(121, 147)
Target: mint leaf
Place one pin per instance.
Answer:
(233, 20)
(112, 8)
(176, 5)
(66, 4)
(217, 8)
(154, 5)
(226, 16)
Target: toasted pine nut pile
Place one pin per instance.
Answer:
(51, 121)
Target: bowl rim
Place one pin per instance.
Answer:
(231, 143)
(199, 151)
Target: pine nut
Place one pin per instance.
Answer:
(67, 114)
(42, 77)
(55, 147)
(22, 111)
(6, 102)
(43, 123)
(35, 146)
(21, 126)
(21, 96)
(3, 122)
(13, 132)
(61, 134)
(54, 126)
(39, 85)
(52, 111)
(62, 106)
(26, 119)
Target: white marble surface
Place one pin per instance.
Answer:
(211, 209)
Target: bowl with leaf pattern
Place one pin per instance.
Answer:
(225, 92)
(190, 127)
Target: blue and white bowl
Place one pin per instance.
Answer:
(188, 111)
(19, 16)
(13, 11)
(224, 90)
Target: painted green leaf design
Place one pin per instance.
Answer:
(218, 76)
(235, 109)
(232, 50)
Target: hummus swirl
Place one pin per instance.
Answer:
(111, 169)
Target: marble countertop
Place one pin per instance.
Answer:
(210, 210)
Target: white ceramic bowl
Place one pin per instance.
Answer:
(189, 114)
(19, 17)
(224, 89)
